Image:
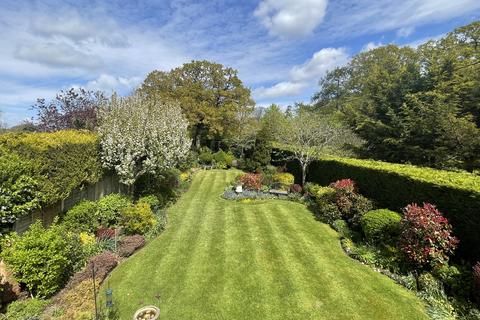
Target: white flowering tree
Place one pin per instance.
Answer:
(140, 135)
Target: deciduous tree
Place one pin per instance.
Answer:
(142, 135)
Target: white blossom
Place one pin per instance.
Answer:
(140, 135)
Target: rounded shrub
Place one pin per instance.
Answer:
(205, 156)
(426, 235)
(381, 226)
(284, 179)
(138, 218)
(42, 259)
(82, 217)
(110, 208)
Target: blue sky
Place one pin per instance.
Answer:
(281, 48)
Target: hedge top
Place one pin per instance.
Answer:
(459, 180)
(453, 179)
(41, 141)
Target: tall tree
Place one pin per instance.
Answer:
(71, 109)
(210, 95)
(413, 105)
(142, 135)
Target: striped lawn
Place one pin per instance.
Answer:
(222, 259)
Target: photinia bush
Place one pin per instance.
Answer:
(251, 181)
(426, 236)
(346, 185)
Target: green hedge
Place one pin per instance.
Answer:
(59, 162)
(393, 186)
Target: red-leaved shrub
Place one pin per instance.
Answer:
(426, 236)
(129, 244)
(347, 185)
(476, 282)
(103, 262)
(251, 181)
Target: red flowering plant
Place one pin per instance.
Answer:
(345, 185)
(251, 181)
(426, 236)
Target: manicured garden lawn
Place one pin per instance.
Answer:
(222, 259)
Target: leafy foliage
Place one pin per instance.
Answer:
(223, 159)
(56, 163)
(141, 136)
(381, 226)
(43, 259)
(413, 105)
(138, 218)
(82, 218)
(284, 179)
(211, 96)
(28, 309)
(129, 244)
(394, 185)
(205, 156)
(325, 199)
(109, 209)
(251, 181)
(71, 109)
(426, 236)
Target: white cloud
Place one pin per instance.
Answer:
(371, 45)
(109, 83)
(71, 25)
(291, 18)
(307, 74)
(57, 55)
(322, 61)
(281, 89)
(405, 31)
(366, 16)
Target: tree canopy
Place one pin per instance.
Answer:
(212, 97)
(413, 105)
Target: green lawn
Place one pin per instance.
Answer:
(222, 259)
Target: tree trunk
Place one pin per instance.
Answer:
(304, 173)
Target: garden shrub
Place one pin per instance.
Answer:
(296, 188)
(327, 209)
(251, 181)
(393, 186)
(381, 226)
(346, 185)
(476, 282)
(138, 218)
(129, 244)
(284, 180)
(104, 263)
(163, 185)
(223, 159)
(19, 191)
(83, 217)
(205, 156)
(457, 280)
(28, 309)
(152, 201)
(342, 228)
(160, 216)
(426, 236)
(43, 259)
(110, 208)
(58, 161)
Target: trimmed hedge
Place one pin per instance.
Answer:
(58, 161)
(393, 186)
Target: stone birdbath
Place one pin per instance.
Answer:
(147, 313)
